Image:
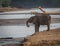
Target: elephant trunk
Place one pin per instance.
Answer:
(27, 24)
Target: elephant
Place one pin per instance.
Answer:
(39, 19)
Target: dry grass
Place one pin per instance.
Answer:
(45, 38)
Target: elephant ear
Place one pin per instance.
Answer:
(35, 20)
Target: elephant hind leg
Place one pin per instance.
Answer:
(48, 27)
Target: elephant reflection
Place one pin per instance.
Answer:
(37, 20)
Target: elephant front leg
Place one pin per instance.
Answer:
(36, 28)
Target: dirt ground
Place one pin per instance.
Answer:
(44, 38)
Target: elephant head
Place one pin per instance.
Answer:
(31, 20)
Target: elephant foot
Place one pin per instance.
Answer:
(47, 30)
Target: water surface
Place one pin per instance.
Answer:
(20, 30)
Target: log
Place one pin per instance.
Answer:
(44, 12)
(50, 13)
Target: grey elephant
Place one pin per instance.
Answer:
(39, 19)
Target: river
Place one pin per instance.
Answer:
(20, 30)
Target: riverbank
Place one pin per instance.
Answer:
(6, 9)
(44, 38)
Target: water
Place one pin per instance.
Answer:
(20, 30)
(10, 42)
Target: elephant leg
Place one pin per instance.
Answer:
(48, 27)
(36, 28)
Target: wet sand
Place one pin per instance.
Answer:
(22, 21)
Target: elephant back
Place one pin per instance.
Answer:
(43, 19)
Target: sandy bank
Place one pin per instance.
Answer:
(45, 38)
(4, 9)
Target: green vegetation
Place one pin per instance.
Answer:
(29, 3)
(35, 3)
(5, 3)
